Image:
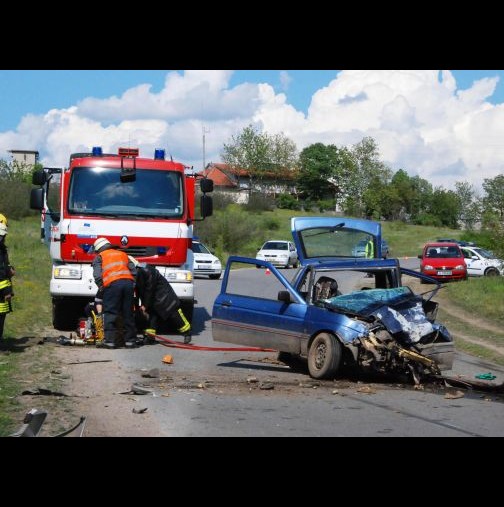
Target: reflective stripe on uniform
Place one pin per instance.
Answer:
(5, 283)
(5, 307)
(186, 325)
(114, 267)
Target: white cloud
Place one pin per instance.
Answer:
(422, 122)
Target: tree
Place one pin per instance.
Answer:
(494, 198)
(260, 154)
(446, 207)
(320, 170)
(470, 209)
(365, 172)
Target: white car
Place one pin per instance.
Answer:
(279, 253)
(205, 263)
(481, 262)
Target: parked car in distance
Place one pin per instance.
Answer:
(279, 253)
(337, 310)
(205, 262)
(481, 262)
(443, 261)
(458, 241)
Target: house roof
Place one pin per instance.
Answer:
(223, 175)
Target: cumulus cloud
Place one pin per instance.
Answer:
(421, 120)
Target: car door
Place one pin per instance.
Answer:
(248, 312)
(474, 266)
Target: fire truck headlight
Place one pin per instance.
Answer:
(73, 274)
(179, 276)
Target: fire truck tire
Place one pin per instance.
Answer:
(64, 315)
(188, 309)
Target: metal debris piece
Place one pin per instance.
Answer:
(34, 419)
(95, 361)
(453, 394)
(42, 392)
(252, 380)
(152, 373)
(139, 410)
(266, 386)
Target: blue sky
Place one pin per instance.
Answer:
(426, 122)
(38, 91)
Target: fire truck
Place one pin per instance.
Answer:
(143, 206)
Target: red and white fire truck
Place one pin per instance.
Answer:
(144, 206)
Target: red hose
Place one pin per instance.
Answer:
(177, 345)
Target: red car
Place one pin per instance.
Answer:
(443, 261)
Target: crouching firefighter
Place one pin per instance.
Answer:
(6, 273)
(159, 300)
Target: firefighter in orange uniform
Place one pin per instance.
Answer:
(115, 273)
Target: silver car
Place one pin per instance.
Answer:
(280, 253)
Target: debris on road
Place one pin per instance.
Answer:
(139, 410)
(152, 373)
(168, 359)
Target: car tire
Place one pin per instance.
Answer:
(296, 263)
(491, 272)
(324, 356)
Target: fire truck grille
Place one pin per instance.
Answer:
(141, 251)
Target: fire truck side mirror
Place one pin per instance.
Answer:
(206, 185)
(37, 199)
(39, 178)
(206, 206)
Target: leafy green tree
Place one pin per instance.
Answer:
(470, 206)
(445, 206)
(365, 172)
(494, 195)
(260, 154)
(321, 170)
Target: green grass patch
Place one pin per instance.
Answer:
(8, 390)
(479, 351)
(480, 296)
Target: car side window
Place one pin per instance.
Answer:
(267, 287)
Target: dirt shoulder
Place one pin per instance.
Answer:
(77, 381)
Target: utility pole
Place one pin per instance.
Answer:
(204, 131)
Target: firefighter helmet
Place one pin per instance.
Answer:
(100, 243)
(3, 219)
(3, 229)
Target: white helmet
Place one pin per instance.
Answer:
(100, 243)
(3, 229)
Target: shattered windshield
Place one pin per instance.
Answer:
(100, 191)
(365, 302)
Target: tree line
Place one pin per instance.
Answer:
(355, 181)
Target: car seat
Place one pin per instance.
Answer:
(325, 288)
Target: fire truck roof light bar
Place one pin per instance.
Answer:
(97, 151)
(159, 154)
(128, 152)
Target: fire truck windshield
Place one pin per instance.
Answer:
(100, 191)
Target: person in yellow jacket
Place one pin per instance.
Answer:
(369, 248)
(6, 273)
(114, 272)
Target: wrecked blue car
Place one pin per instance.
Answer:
(337, 309)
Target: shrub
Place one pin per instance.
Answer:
(260, 202)
(287, 201)
(15, 202)
(427, 219)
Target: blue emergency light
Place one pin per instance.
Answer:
(97, 151)
(159, 154)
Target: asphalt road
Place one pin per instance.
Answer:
(211, 393)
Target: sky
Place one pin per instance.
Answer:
(444, 126)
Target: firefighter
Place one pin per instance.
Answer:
(3, 220)
(369, 248)
(159, 301)
(6, 273)
(114, 272)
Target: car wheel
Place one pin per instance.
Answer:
(491, 272)
(324, 356)
(295, 265)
